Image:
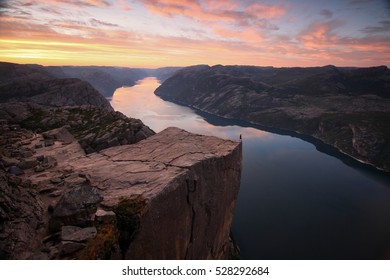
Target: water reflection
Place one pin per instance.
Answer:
(140, 102)
(295, 202)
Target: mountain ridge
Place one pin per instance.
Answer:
(105, 79)
(348, 108)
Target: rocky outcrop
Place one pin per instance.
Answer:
(21, 210)
(170, 196)
(105, 79)
(21, 217)
(189, 185)
(347, 108)
(72, 186)
(54, 93)
(95, 128)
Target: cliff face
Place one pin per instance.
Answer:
(344, 107)
(104, 79)
(55, 93)
(170, 196)
(95, 128)
(72, 186)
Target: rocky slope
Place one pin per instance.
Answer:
(54, 92)
(95, 128)
(348, 108)
(78, 180)
(170, 196)
(104, 79)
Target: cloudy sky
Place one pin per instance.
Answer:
(152, 33)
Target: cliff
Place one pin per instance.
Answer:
(54, 92)
(95, 128)
(348, 108)
(170, 196)
(78, 180)
(104, 79)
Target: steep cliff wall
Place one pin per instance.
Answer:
(170, 196)
(348, 108)
(105, 79)
(55, 93)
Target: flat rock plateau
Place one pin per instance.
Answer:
(81, 181)
(170, 196)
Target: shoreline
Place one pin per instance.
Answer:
(319, 143)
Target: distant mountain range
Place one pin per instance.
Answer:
(346, 107)
(73, 187)
(105, 79)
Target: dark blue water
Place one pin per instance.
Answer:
(295, 202)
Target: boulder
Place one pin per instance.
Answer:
(77, 234)
(75, 207)
(15, 170)
(68, 247)
(103, 216)
(59, 134)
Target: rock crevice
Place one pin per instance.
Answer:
(170, 196)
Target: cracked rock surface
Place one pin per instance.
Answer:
(170, 196)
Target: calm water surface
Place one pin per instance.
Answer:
(295, 202)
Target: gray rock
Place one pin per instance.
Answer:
(27, 164)
(60, 134)
(40, 157)
(103, 216)
(55, 193)
(9, 161)
(47, 189)
(55, 180)
(68, 230)
(48, 142)
(39, 168)
(15, 170)
(75, 207)
(76, 234)
(49, 162)
(26, 154)
(68, 247)
(38, 146)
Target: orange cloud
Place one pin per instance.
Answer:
(171, 8)
(221, 5)
(102, 3)
(265, 11)
(326, 43)
(224, 32)
(319, 34)
(248, 34)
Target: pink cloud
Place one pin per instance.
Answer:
(265, 11)
(81, 2)
(124, 5)
(319, 33)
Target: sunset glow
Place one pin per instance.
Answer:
(151, 33)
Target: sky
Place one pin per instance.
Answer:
(150, 33)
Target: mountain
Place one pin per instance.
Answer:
(163, 73)
(348, 108)
(81, 181)
(105, 79)
(53, 92)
